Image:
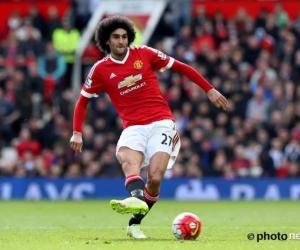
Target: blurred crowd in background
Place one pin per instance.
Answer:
(255, 63)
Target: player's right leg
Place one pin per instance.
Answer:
(131, 161)
(131, 151)
(162, 150)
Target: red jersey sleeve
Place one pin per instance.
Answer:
(93, 84)
(159, 60)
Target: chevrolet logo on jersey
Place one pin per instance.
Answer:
(129, 81)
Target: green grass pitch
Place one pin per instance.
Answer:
(88, 225)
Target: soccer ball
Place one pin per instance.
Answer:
(186, 226)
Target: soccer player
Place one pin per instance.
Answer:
(149, 138)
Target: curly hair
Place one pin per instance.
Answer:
(110, 24)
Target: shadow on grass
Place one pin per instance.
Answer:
(110, 241)
(141, 240)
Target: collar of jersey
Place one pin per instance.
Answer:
(120, 61)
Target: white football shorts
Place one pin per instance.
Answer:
(158, 136)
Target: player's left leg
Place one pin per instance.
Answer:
(157, 168)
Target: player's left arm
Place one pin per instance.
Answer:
(215, 96)
(161, 62)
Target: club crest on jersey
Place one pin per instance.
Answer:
(138, 64)
(88, 83)
(129, 81)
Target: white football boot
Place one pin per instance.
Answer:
(135, 231)
(130, 205)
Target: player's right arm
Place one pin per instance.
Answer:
(91, 88)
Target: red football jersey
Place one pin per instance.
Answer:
(132, 85)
